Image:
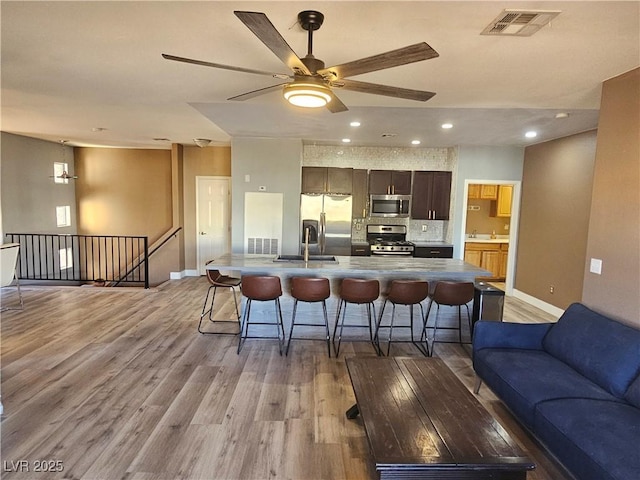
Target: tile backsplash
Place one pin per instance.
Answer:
(436, 229)
(380, 158)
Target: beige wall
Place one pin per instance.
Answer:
(123, 192)
(209, 161)
(29, 194)
(614, 229)
(128, 192)
(554, 218)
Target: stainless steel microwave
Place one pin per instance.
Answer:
(390, 205)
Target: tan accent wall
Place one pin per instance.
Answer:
(209, 161)
(123, 191)
(554, 218)
(128, 192)
(614, 230)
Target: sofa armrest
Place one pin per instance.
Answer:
(528, 336)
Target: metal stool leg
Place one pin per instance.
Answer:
(279, 325)
(293, 319)
(244, 327)
(326, 323)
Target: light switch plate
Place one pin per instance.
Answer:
(596, 266)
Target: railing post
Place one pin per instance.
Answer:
(146, 262)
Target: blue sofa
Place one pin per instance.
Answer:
(574, 384)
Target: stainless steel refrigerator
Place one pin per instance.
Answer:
(328, 218)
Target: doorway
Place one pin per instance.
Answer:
(504, 261)
(213, 218)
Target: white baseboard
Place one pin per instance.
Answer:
(536, 302)
(183, 273)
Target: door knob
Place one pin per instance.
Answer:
(203, 233)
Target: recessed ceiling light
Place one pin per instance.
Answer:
(415, 142)
(562, 115)
(531, 134)
(355, 124)
(447, 125)
(346, 140)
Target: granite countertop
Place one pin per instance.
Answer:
(367, 266)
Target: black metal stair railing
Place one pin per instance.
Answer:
(146, 257)
(82, 258)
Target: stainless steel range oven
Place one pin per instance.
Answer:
(389, 240)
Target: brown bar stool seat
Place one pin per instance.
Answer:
(453, 294)
(311, 290)
(217, 280)
(262, 288)
(408, 293)
(360, 292)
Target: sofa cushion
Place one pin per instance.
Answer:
(523, 378)
(606, 351)
(595, 439)
(633, 393)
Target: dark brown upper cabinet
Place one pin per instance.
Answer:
(359, 193)
(327, 180)
(389, 182)
(431, 196)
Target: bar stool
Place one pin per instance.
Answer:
(360, 292)
(217, 280)
(311, 290)
(453, 294)
(408, 293)
(261, 288)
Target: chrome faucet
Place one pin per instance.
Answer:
(473, 234)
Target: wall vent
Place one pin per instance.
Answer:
(520, 23)
(265, 246)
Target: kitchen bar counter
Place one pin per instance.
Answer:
(383, 268)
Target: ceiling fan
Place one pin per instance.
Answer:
(312, 84)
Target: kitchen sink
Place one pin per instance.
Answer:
(300, 258)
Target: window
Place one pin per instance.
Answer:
(60, 168)
(66, 258)
(63, 216)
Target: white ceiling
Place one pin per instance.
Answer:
(71, 67)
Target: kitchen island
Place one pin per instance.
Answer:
(383, 268)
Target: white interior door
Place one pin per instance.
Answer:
(213, 214)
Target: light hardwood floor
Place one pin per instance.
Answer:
(118, 384)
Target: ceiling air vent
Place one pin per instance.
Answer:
(520, 23)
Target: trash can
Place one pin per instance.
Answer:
(488, 303)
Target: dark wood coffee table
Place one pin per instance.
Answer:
(423, 423)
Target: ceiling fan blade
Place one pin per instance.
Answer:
(376, 89)
(225, 67)
(262, 28)
(394, 58)
(336, 105)
(256, 93)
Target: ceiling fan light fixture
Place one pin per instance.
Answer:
(307, 95)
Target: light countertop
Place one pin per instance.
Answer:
(374, 266)
(486, 240)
